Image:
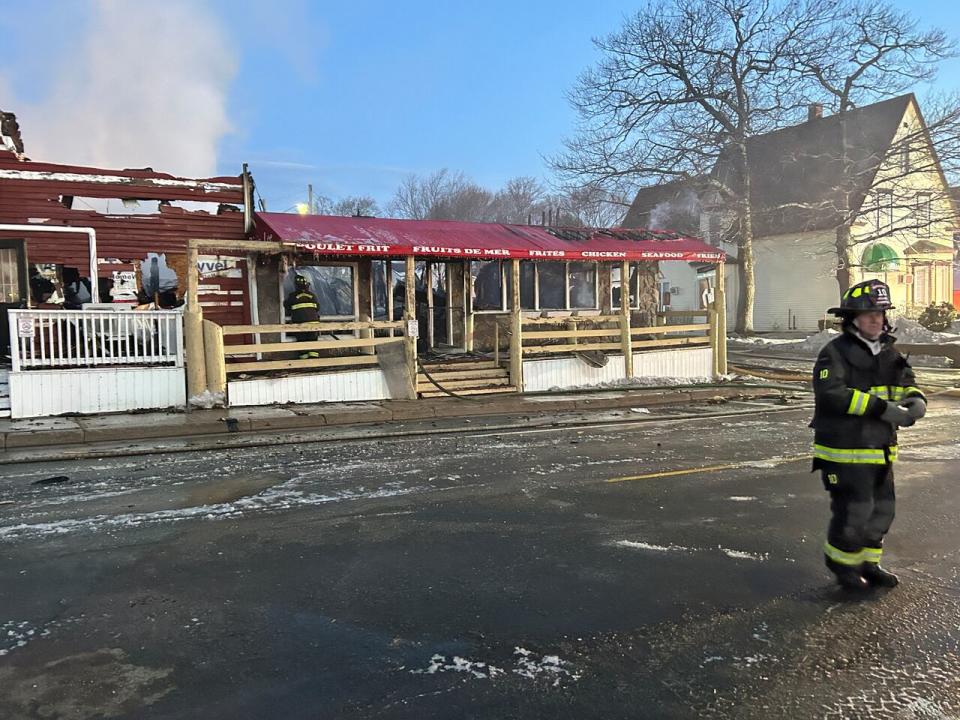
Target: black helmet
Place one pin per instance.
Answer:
(869, 296)
(301, 281)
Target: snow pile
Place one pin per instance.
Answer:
(815, 343)
(910, 331)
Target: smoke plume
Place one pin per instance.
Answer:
(148, 86)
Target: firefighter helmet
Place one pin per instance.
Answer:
(301, 281)
(869, 296)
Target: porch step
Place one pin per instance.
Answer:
(471, 391)
(434, 366)
(464, 377)
(424, 385)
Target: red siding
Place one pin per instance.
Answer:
(33, 197)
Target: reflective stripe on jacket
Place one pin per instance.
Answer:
(852, 388)
(302, 306)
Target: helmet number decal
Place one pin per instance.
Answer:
(824, 374)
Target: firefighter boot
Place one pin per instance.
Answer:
(848, 576)
(878, 577)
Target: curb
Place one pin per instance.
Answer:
(218, 427)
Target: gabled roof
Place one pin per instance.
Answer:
(385, 237)
(671, 205)
(797, 173)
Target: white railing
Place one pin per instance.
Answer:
(63, 339)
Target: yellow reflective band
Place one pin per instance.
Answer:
(858, 403)
(910, 390)
(302, 306)
(842, 557)
(872, 555)
(881, 391)
(855, 456)
(857, 292)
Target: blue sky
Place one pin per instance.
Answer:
(348, 96)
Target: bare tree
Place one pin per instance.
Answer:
(867, 52)
(520, 198)
(681, 83)
(356, 205)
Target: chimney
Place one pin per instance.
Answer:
(814, 111)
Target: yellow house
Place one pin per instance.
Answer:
(872, 173)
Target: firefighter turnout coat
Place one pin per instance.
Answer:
(853, 387)
(302, 306)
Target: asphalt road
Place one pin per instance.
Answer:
(547, 574)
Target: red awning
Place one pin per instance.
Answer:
(372, 237)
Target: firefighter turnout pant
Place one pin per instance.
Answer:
(862, 503)
(307, 337)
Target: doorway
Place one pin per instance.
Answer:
(13, 288)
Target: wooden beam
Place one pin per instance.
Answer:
(637, 344)
(516, 327)
(311, 327)
(591, 332)
(311, 345)
(410, 318)
(233, 368)
(214, 357)
(721, 300)
(664, 329)
(244, 245)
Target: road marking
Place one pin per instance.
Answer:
(711, 468)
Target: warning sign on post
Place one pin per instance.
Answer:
(25, 327)
(413, 328)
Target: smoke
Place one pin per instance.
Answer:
(676, 214)
(146, 86)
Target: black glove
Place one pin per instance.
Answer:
(897, 416)
(916, 406)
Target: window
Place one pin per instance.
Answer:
(9, 276)
(582, 285)
(333, 285)
(634, 286)
(489, 286)
(923, 214)
(551, 286)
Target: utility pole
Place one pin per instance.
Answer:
(310, 199)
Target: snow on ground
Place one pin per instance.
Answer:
(735, 554)
(907, 331)
(526, 664)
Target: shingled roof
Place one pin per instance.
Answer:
(797, 173)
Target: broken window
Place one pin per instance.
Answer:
(551, 286)
(582, 279)
(633, 285)
(489, 286)
(333, 285)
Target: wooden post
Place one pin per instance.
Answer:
(516, 327)
(193, 329)
(365, 335)
(215, 364)
(467, 307)
(625, 337)
(431, 331)
(714, 341)
(496, 340)
(721, 301)
(410, 319)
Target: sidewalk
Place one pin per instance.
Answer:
(130, 427)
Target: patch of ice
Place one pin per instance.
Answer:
(550, 667)
(479, 670)
(743, 555)
(641, 411)
(741, 498)
(648, 546)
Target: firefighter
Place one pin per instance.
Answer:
(302, 307)
(865, 389)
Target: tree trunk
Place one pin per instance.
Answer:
(748, 288)
(845, 258)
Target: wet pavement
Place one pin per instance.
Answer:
(552, 572)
